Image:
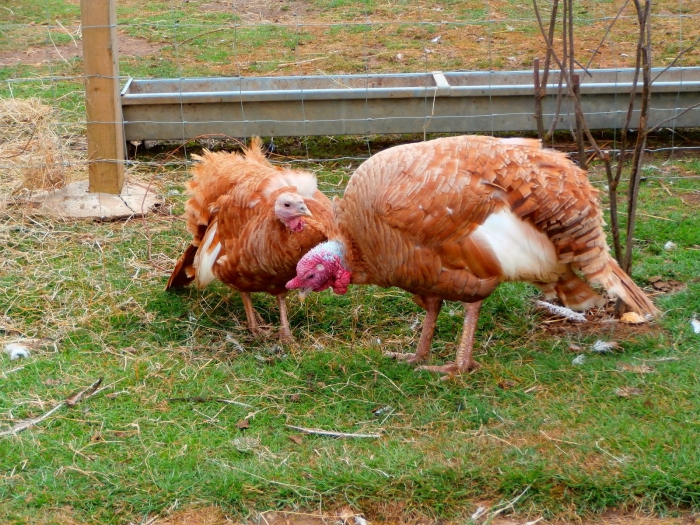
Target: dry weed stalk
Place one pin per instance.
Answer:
(566, 64)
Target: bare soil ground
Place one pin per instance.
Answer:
(38, 56)
(214, 516)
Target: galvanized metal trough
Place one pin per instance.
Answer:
(181, 109)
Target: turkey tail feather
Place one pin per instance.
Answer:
(617, 282)
(181, 276)
(576, 294)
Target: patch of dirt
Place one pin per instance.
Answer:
(215, 516)
(36, 56)
(599, 321)
(203, 516)
(258, 11)
(691, 199)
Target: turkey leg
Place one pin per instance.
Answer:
(250, 314)
(464, 362)
(433, 306)
(285, 331)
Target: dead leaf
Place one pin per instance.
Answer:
(636, 369)
(297, 439)
(628, 391)
(52, 382)
(632, 318)
(666, 286)
(243, 424)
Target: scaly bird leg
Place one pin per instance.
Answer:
(250, 314)
(433, 306)
(464, 362)
(285, 331)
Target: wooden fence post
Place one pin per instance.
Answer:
(105, 131)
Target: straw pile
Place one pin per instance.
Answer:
(34, 155)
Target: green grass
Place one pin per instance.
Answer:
(529, 421)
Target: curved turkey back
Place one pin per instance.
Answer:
(222, 173)
(454, 209)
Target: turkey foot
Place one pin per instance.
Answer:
(433, 306)
(464, 362)
(405, 357)
(450, 370)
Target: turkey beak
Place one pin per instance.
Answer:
(303, 292)
(305, 211)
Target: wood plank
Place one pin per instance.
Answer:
(105, 130)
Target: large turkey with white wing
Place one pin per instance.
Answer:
(452, 218)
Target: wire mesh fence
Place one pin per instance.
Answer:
(40, 55)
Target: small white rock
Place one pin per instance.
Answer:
(670, 245)
(16, 351)
(436, 40)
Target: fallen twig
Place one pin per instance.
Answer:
(331, 433)
(24, 425)
(70, 401)
(510, 504)
(559, 440)
(5, 372)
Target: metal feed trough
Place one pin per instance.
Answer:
(180, 109)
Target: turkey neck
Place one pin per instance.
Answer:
(350, 260)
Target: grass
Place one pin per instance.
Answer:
(528, 422)
(571, 441)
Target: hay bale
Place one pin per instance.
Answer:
(32, 151)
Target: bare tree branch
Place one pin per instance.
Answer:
(673, 62)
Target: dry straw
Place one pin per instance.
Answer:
(34, 153)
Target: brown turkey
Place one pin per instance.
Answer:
(251, 222)
(451, 218)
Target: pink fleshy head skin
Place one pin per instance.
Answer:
(322, 268)
(295, 224)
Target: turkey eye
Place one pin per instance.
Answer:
(310, 276)
(286, 205)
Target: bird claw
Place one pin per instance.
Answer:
(286, 338)
(400, 356)
(450, 370)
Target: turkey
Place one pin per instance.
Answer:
(251, 223)
(452, 218)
